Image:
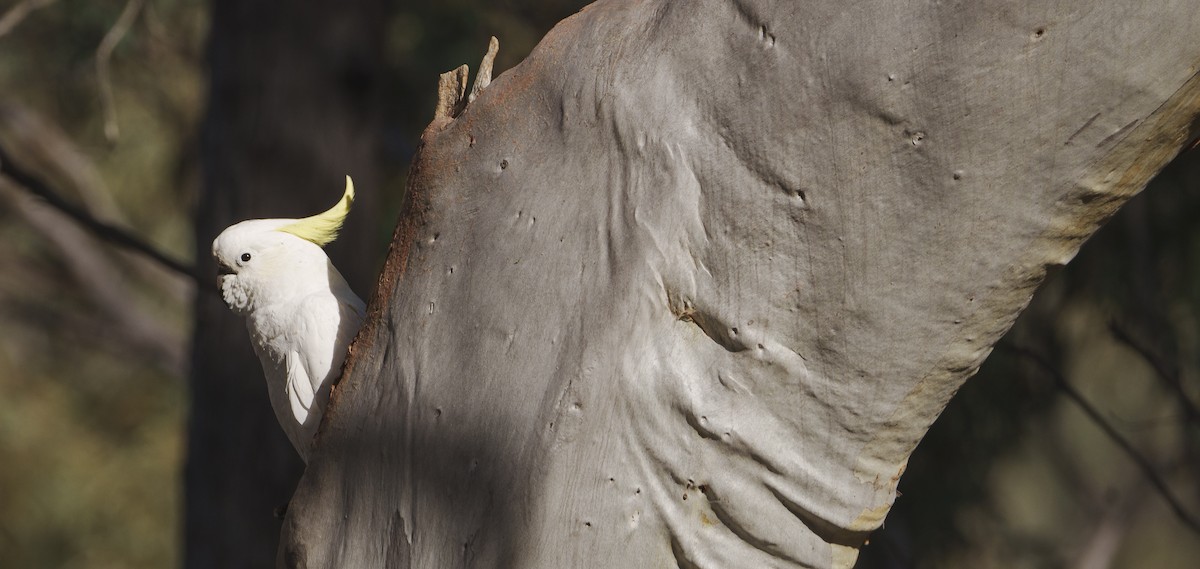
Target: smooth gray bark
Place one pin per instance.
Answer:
(687, 286)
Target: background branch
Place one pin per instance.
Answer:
(17, 14)
(41, 145)
(101, 281)
(104, 56)
(1167, 373)
(1148, 469)
(105, 231)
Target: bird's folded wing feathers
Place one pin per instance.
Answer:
(299, 386)
(326, 326)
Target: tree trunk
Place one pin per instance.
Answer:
(292, 110)
(687, 286)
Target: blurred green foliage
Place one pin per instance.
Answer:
(91, 424)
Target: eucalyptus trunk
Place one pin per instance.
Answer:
(686, 287)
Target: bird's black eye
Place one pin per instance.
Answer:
(245, 257)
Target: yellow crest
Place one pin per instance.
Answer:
(323, 228)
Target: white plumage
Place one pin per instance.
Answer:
(300, 312)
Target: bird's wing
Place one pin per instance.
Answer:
(325, 327)
(298, 387)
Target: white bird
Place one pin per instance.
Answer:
(299, 310)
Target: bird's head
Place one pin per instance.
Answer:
(261, 261)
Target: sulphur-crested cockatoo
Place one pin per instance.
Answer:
(300, 312)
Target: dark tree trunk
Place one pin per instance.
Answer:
(292, 109)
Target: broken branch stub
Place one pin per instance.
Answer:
(452, 89)
(484, 77)
(452, 96)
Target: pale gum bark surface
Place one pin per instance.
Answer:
(687, 286)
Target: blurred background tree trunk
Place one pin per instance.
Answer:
(293, 107)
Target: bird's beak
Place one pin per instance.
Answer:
(223, 271)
